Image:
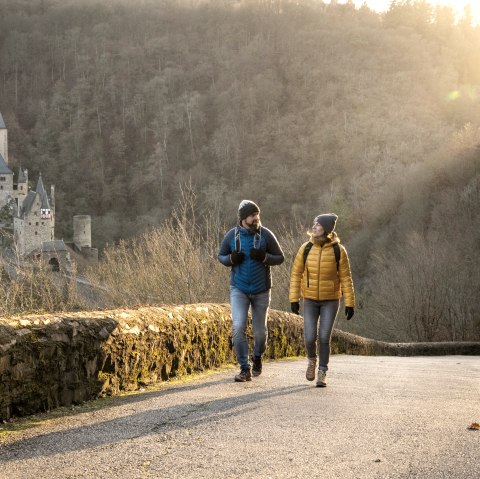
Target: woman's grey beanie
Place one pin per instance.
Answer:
(327, 221)
(247, 208)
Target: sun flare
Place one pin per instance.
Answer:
(458, 6)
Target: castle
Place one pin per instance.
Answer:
(33, 215)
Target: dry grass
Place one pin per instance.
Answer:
(27, 287)
(177, 263)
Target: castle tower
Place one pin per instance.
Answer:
(82, 231)
(3, 140)
(35, 223)
(22, 188)
(6, 174)
(46, 211)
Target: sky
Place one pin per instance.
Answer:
(457, 5)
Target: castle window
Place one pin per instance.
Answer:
(36, 224)
(36, 233)
(54, 264)
(43, 223)
(2, 178)
(29, 223)
(1, 187)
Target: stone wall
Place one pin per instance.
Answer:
(48, 361)
(347, 343)
(56, 360)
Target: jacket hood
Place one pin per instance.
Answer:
(332, 239)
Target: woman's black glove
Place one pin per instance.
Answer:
(237, 258)
(349, 312)
(258, 254)
(295, 307)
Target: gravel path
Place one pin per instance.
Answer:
(379, 417)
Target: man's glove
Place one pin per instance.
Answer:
(237, 258)
(295, 307)
(258, 254)
(349, 312)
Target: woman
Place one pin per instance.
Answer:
(320, 275)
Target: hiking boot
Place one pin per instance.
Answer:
(310, 374)
(243, 376)
(321, 379)
(257, 366)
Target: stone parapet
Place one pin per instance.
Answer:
(48, 360)
(348, 343)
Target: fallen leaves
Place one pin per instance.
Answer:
(474, 426)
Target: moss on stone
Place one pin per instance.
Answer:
(48, 361)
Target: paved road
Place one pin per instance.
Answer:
(380, 417)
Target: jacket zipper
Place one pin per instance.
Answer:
(318, 274)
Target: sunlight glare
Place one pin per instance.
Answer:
(457, 6)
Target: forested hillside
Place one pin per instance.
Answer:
(304, 108)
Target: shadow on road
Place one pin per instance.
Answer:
(153, 421)
(163, 388)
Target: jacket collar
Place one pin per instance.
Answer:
(330, 240)
(249, 232)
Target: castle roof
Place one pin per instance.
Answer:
(49, 247)
(27, 203)
(2, 123)
(52, 246)
(43, 194)
(29, 200)
(4, 169)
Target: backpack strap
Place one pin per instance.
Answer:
(257, 239)
(336, 250)
(237, 240)
(306, 250)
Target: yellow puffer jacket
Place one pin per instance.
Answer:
(318, 279)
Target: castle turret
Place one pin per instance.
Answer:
(6, 174)
(3, 140)
(45, 210)
(22, 188)
(82, 231)
(22, 177)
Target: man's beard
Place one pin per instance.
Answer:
(255, 224)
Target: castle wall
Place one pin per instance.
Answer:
(90, 254)
(6, 188)
(20, 193)
(19, 236)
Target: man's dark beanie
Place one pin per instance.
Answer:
(327, 221)
(247, 208)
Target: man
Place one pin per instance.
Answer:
(250, 249)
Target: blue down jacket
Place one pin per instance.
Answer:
(251, 276)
